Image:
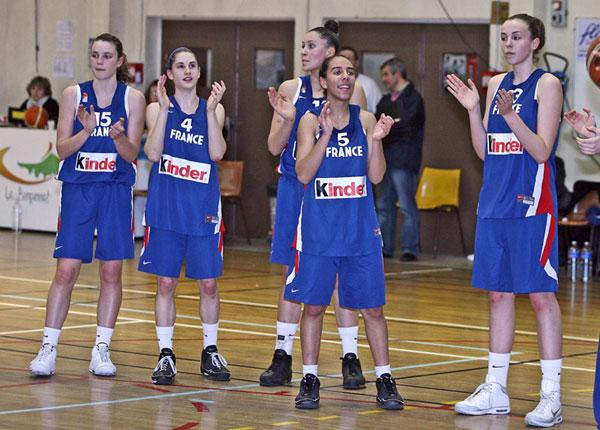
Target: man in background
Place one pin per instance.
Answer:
(372, 91)
(403, 152)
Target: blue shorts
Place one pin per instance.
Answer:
(289, 199)
(311, 280)
(105, 206)
(516, 255)
(164, 251)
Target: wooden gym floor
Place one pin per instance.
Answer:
(438, 348)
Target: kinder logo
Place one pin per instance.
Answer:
(184, 169)
(96, 162)
(503, 144)
(341, 188)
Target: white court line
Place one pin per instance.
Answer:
(335, 342)
(270, 334)
(273, 306)
(191, 393)
(419, 271)
(6, 333)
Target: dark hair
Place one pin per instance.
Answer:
(123, 71)
(396, 65)
(351, 49)
(40, 81)
(325, 65)
(154, 83)
(329, 32)
(536, 28)
(173, 54)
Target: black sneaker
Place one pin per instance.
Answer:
(213, 365)
(279, 372)
(352, 372)
(165, 371)
(308, 397)
(387, 393)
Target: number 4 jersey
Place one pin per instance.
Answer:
(183, 194)
(97, 160)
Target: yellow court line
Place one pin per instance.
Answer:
(285, 423)
(330, 417)
(374, 411)
(583, 390)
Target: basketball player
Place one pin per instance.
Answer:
(183, 214)
(99, 129)
(339, 156)
(515, 246)
(293, 99)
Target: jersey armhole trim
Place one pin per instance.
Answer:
(127, 88)
(298, 90)
(77, 101)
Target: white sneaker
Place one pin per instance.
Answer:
(488, 398)
(44, 364)
(547, 413)
(101, 364)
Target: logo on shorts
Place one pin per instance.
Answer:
(526, 200)
(341, 188)
(503, 144)
(96, 162)
(184, 169)
(212, 219)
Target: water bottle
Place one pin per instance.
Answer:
(586, 261)
(572, 256)
(17, 215)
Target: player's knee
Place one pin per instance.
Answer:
(313, 311)
(166, 286)
(110, 275)
(208, 287)
(373, 313)
(543, 302)
(65, 276)
(498, 299)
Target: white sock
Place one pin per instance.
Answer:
(51, 336)
(310, 368)
(210, 333)
(349, 336)
(382, 370)
(165, 337)
(104, 335)
(551, 375)
(498, 368)
(285, 336)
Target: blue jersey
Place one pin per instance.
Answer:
(338, 214)
(303, 101)
(183, 194)
(514, 184)
(98, 160)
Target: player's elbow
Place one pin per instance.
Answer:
(274, 147)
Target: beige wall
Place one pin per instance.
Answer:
(17, 27)
(138, 22)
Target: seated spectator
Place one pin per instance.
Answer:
(40, 94)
